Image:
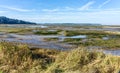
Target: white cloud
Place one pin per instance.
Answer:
(16, 9)
(68, 9)
(103, 16)
(88, 12)
(87, 5)
(50, 10)
(104, 3)
(3, 11)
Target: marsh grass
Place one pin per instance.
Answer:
(15, 30)
(51, 39)
(105, 44)
(91, 33)
(94, 38)
(83, 61)
(18, 58)
(84, 32)
(46, 32)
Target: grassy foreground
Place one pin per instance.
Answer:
(18, 58)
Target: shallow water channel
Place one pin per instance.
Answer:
(37, 41)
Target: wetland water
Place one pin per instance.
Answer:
(38, 41)
(113, 52)
(35, 41)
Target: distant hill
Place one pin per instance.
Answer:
(5, 20)
(73, 24)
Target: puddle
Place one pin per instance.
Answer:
(38, 26)
(105, 38)
(113, 52)
(29, 36)
(79, 36)
(62, 38)
(40, 44)
(98, 48)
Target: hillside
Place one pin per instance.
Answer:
(5, 20)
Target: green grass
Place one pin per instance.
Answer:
(18, 58)
(15, 30)
(105, 44)
(46, 32)
(94, 38)
(51, 39)
(85, 32)
(72, 40)
(90, 33)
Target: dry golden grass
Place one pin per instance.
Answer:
(18, 58)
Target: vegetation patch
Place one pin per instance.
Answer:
(18, 58)
(51, 39)
(46, 32)
(83, 61)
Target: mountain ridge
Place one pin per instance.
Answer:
(6, 20)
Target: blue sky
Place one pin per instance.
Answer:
(63, 11)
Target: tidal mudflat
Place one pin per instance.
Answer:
(58, 49)
(62, 37)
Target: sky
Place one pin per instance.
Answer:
(63, 11)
